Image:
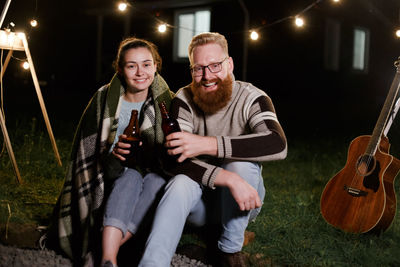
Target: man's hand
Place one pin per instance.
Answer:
(190, 145)
(121, 148)
(244, 194)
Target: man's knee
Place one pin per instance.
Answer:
(181, 182)
(249, 171)
(183, 188)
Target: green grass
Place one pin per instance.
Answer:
(289, 230)
(33, 200)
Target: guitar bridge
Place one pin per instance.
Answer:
(355, 192)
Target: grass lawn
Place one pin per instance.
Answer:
(289, 230)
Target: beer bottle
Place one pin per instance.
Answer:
(169, 124)
(132, 132)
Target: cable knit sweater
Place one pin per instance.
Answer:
(246, 129)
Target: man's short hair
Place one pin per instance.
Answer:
(208, 38)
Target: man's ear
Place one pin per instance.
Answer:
(231, 65)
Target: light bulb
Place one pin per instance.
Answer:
(122, 6)
(34, 23)
(162, 28)
(25, 65)
(254, 35)
(299, 22)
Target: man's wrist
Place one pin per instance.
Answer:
(225, 178)
(212, 146)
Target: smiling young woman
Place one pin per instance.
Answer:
(96, 180)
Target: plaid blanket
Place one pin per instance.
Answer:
(80, 206)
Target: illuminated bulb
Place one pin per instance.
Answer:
(336, 1)
(299, 22)
(34, 23)
(122, 6)
(25, 65)
(398, 33)
(162, 27)
(254, 35)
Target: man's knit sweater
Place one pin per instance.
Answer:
(247, 129)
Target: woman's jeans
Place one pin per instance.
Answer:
(130, 199)
(183, 201)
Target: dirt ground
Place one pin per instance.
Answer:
(19, 247)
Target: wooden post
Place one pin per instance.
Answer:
(41, 101)
(12, 41)
(3, 70)
(9, 147)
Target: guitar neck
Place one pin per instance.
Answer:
(385, 112)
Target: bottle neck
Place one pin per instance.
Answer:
(134, 118)
(133, 126)
(164, 112)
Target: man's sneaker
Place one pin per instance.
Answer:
(233, 259)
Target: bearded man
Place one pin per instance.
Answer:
(228, 128)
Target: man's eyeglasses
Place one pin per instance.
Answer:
(213, 68)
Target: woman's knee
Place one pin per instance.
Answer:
(153, 180)
(130, 178)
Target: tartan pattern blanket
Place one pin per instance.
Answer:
(81, 200)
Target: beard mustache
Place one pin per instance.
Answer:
(211, 102)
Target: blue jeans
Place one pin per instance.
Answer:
(130, 199)
(182, 201)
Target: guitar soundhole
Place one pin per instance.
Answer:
(365, 165)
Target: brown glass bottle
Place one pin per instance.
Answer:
(169, 125)
(132, 132)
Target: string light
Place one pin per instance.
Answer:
(299, 22)
(25, 65)
(122, 6)
(162, 28)
(398, 33)
(254, 35)
(34, 23)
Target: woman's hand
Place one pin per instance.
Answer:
(121, 148)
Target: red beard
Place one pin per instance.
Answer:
(211, 102)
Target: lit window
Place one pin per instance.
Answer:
(360, 49)
(189, 23)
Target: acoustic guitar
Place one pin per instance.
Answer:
(361, 197)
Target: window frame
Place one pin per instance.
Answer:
(177, 15)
